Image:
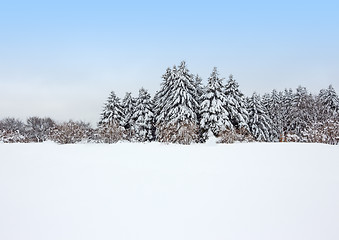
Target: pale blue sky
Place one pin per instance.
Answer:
(62, 58)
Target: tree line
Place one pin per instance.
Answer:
(185, 111)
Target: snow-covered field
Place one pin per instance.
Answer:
(155, 191)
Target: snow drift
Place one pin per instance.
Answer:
(155, 191)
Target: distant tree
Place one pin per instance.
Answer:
(12, 131)
(286, 112)
(177, 118)
(265, 101)
(39, 129)
(328, 101)
(324, 127)
(259, 121)
(235, 105)
(128, 106)
(301, 116)
(111, 124)
(273, 104)
(182, 106)
(12, 124)
(144, 117)
(161, 102)
(214, 116)
(199, 90)
(326, 131)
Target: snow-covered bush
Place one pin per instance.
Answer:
(232, 135)
(39, 129)
(12, 131)
(327, 132)
(72, 132)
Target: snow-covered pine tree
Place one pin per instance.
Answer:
(177, 120)
(328, 102)
(281, 113)
(274, 113)
(259, 121)
(144, 117)
(214, 116)
(160, 95)
(312, 107)
(111, 124)
(161, 100)
(265, 101)
(325, 128)
(236, 106)
(199, 88)
(286, 112)
(128, 106)
(301, 113)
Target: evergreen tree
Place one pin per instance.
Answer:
(144, 117)
(214, 116)
(301, 116)
(111, 125)
(265, 101)
(274, 113)
(199, 89)
(328, 102)
(161, 99)
(128, 106)
(177, 119)
(259, 121)
(325, 128)
(236, 106)
(286, 111)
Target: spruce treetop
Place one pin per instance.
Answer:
(112, 112)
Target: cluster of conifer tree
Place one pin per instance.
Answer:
(184, 111)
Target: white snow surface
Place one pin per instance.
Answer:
(157, 191)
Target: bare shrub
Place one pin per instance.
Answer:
(110, 132)
(231, 136)
(186, 133)
(12, 131)
(72, 132)
(39, 129)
